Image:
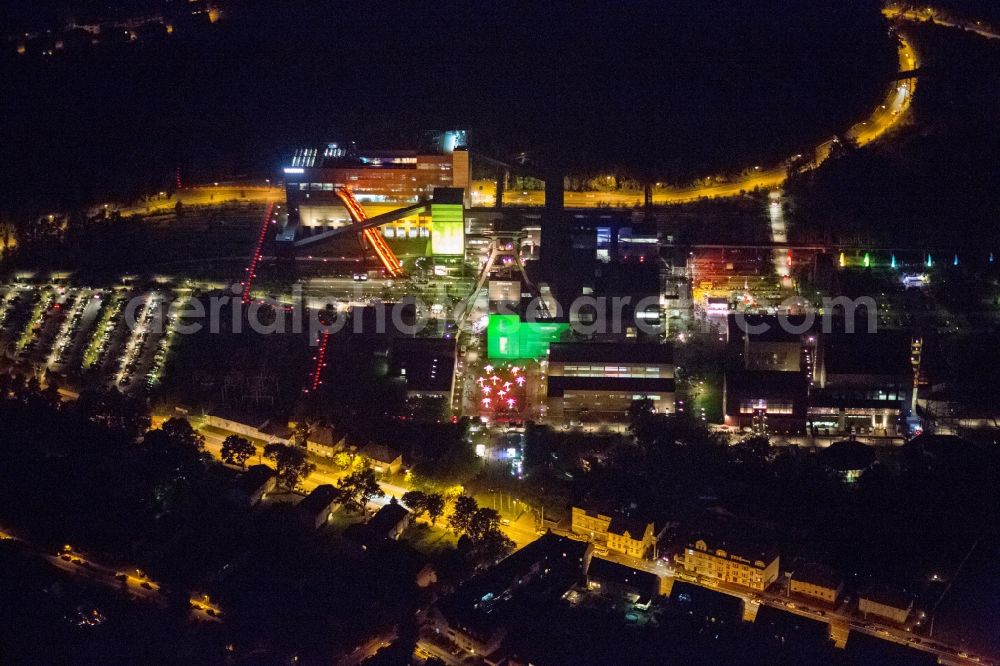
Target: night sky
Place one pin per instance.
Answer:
(673, 91)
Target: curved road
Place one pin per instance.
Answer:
(882, 119)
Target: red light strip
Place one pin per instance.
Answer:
(255, 257)
(317, 373)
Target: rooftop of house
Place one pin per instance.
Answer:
(276, 429)
(699, 600)
(887, 595)
(646, 584)
(325, 436)
(788, 626)
(318, 500)
(620, 524)
(559, 551)
(815, 573)
(862, 648)
(253, 478)
(380, 452)
(236, 415)
(386, 519)
(737, 547)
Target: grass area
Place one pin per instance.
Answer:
(429, 540)
(706, 397)
(341, 520)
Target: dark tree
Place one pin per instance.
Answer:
(461, 518)
(434, 505)
(180, 432)
(482, 522)
(416, 502)
(237, 450)
(290, 462)
(359, 488)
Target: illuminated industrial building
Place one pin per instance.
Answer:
(864, 383)
(598, 381)
(381, 180)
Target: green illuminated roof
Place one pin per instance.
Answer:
(510, 338)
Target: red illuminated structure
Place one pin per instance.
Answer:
(374, 239)
(255, 257)
(315, 377)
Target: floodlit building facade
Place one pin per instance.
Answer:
(749, 567)
(618, 533)
(390, 177)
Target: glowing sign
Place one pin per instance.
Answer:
(295, 170)
(447, 229)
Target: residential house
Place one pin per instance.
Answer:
(318, 506)
(389, 522)
(324, 441)
(731, 561)
(886, 602)
(640, 587)
(471, 617)
(274, 431)
(816, 581)
(617, 532)
(253, 485)
(384, 459)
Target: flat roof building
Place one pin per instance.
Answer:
(864, 383)
(705, 605)
(426, 365)
(471, 616)
(777, 398)
(641, 587)
(599, 381)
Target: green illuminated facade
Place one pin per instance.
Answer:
(507, 337)
(447, 229)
